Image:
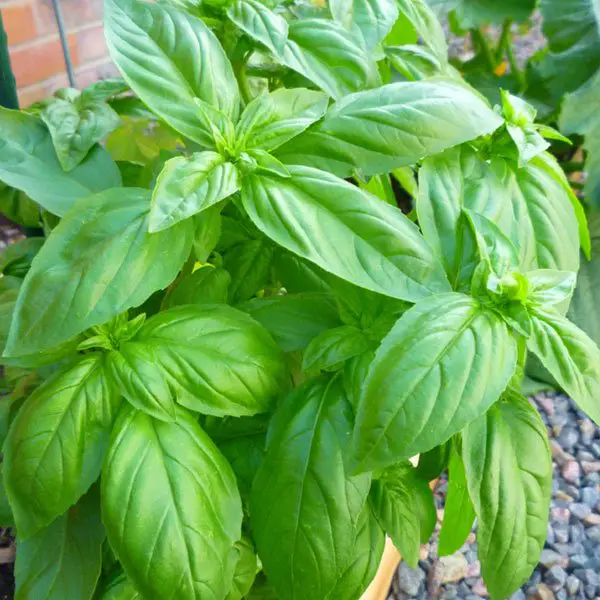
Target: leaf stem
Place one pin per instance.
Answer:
(514, 68)
(484, 48)
(573, 166)
(505, 39)
(242, 77)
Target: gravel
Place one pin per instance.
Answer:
(570, 561)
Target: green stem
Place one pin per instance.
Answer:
(573, 166)
(484, 48)
(514, 68)
(8, 87)
(242, 77)
(505, 39)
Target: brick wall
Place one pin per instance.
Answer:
(36, 54)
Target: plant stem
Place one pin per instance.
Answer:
(573, 166)
(514, 67)
(240, 73)
(8, 88)
(484, 48)
(505, 39)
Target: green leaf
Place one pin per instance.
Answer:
(209, 358)
(528, 141)
(366, 557)
(249, 265)
(459, 513)
(426, 26)
(120, 588)
(18, 207)
(549, 288)
(189, 185)
(509, 474)
(444, 363)
(64, 559)
(333, 347)
(262, 24)
(76, 126)
(414, 62)
(207, 285)
(404, 506)
(98, 262)
(56, 444)
(572, 358)
(172, 524)
(28, 162)
(365, 241)
(380, 186)
(6, 513)
(294, 320)
(303, 497)
(152, 45)
(372, 19)
(272, 119)
(412, 121)
(9, 292)
(434, 462)
(473, 13)
(208, 232)
(245, 570)
(15, 259)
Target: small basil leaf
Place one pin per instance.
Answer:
(172, 524)
(56, 444)
(509, 475)
(434, 462)
(15, 259)
(549, 288)
(189, 185)
(426, 25)
(207, 285)
(445, 362)
(99, 261)
(332, 348)
(245, 570)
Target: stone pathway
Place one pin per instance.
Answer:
(570, 562)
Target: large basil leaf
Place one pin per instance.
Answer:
(28, 162)
(76, 125)
(171, 507)
(459, 513)
(265, 26)
(362, 240)
(444, 363)
(509, 474)
(99, 261)
(304, 503)
(404, 506)
(294, 320)
(426, 26)
(207, 285)
(411, 120)
(372, 19)
(153, 46)
(189, 185)
(572, 358)
(64, 559)
(272, 119)
(56, 444)
(210, 358)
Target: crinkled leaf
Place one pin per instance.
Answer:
(444, 363)
(98, 262)
(171, 518)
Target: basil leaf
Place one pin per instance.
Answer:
(366, 557)
(549, 288)
(572, 358)
(18, 207)
(64, 559)
(332, 348)
(459, 513)
(265, 26)
(249, 265)
(292, 498)
(120, 589)
(245, 570)
(272, 119)
(426, 26)
(152, 45)
(444, 363)
(9, 292)
(434, 462)
(99, 261)
(372, 19)
(303, 215)
(28, 162)
(294, 320)
(413, 120)
(329, 56)
(15, 259)
(509, 474)
(414, 62)
(76, 126)
(189, 185)
(171, 524)
(198, 356)
(404, 506)
(56, 444)
(208, 232)
(7, 518)
(207, 285)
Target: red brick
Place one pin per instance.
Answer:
(87, 75)
(91, 44)
(19, 23)
(75, 12)
(32, 94)
(41, 61)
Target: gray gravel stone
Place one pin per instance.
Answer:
(410, 580)
(568, 437)
(572, 585)
(561, 534)
(590, 496)
(593, 533)
(578, 561)
(580, 511)
(556, 578)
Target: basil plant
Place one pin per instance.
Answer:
(286, 271)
